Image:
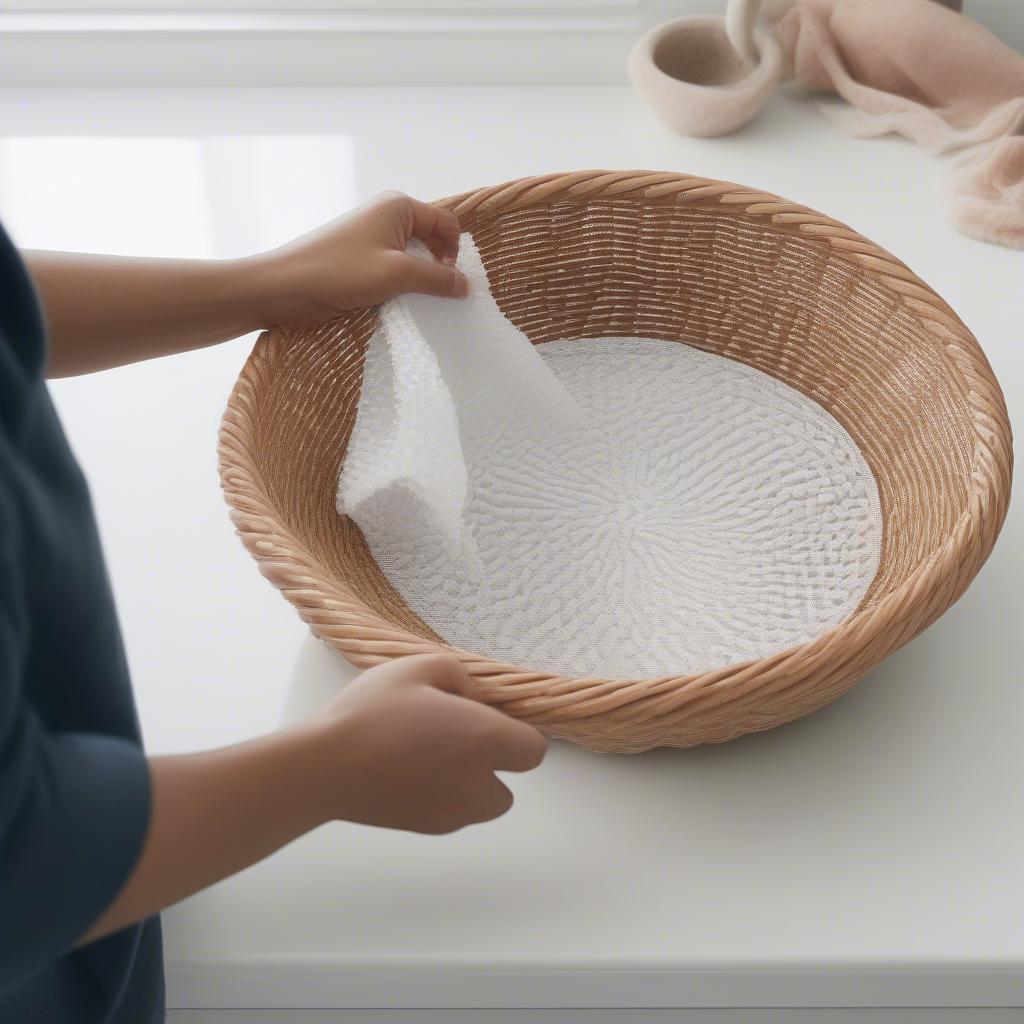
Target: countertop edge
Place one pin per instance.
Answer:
(430, 985)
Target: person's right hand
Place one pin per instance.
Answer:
(402, 747)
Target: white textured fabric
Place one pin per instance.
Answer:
(444, 381)
(616, 507)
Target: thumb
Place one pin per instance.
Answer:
(430, 277)
(439, 671)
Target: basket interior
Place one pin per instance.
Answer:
(713, 277)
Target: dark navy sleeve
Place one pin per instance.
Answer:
(74, 806)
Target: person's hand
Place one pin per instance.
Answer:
(360, 260)
(402, 748)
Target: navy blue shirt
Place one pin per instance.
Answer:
(74, 785)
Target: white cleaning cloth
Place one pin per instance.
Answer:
(445, 382)
(617, 507)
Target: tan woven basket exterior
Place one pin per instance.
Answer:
(718, 266)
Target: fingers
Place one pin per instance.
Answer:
(433, 225)
(517, 747)
(438, 228)
(429, 277)
(441, 671)
(511, 746)
(485, 799)
(495, 800)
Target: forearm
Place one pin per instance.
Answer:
(215, 813)
(400, 747)
(105, 311)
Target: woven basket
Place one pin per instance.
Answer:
(717, 266)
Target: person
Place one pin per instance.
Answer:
(95, 839)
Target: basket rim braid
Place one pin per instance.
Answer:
(637, 714)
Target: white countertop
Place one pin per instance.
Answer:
(871, 855)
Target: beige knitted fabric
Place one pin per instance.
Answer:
(987, 193)
(921, 70)
(906, 66)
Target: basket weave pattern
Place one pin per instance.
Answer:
(735, 272)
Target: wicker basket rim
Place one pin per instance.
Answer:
(367, 639)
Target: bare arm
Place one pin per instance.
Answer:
(105, 311)
(400, 748)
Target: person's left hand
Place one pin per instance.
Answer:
(360, 260)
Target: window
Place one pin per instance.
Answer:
(305, 6)
(322, 42)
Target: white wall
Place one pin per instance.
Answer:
(417, 42)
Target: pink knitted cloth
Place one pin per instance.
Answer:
(922, 70)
